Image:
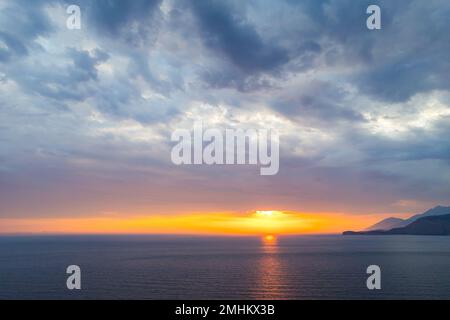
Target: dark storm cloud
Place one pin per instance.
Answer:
(336, 30)
(130, 21)
(409, 55)
(342, 23)
(253, 60)
(229, 33)
(114, 15)
(421, 71)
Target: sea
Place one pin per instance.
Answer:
(196, 267)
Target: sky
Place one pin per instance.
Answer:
(87, 115)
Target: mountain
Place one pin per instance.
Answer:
(437, 225)
(387, 224)
(436, 211)
(390, 223)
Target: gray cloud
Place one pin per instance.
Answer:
(228, 32)
(132, 22)
(11, 47)
(317, 101)
(75, 103)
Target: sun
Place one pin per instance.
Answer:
(269, 238)
(267, 213)
(268, 222)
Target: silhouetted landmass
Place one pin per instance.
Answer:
(391, 223)
(432, 226)
(387, 224)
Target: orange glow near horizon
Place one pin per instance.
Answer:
(267, 223)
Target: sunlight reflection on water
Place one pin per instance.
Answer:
(270, 270)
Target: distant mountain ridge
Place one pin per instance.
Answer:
(391, 223)
(436, 225)
(387, 224)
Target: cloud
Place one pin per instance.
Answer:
(21, 23)
(133, 22)
(363, 114)
(317, 101)
(229, 33)
(11, 47)
(27, 20)
(67, 80)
